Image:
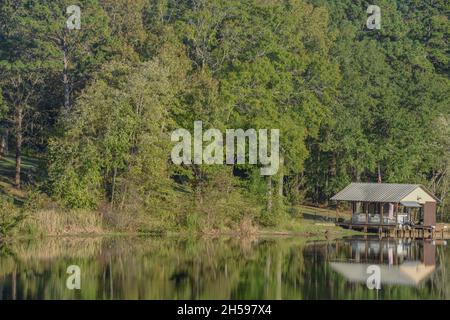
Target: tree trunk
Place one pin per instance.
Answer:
(19, 137)
(269, 193)
(281, 179)
(113, 187)
(357, 175)
(318, 173)
(66, 80)
(280, 185)
(331, 175)
(4, 144)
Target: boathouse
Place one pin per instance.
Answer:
(389, 206)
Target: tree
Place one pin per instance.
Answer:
(73, 53)
(115, 141)
(3, 130)
(37, 46)
(429, 24)
(19, 90)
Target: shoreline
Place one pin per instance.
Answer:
(320, 234)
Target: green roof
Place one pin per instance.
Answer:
(377, 192)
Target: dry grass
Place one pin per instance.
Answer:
(74, 222)
(247, 227)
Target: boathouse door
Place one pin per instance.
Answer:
(429, 214)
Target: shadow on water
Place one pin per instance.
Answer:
(224, 268)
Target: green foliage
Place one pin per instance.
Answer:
(346, 100)
(392, 94)
(10, 216)
(75, 181)
(115, 142)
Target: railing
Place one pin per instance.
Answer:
(372, 219)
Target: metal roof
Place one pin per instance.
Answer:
(410, 204)
(376, 192)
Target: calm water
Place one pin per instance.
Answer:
(260, 268)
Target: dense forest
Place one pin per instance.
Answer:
(93, 108)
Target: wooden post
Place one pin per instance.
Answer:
(366, 210)
(396, 213)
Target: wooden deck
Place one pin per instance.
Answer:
(393, 230)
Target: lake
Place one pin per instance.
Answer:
(224, 268)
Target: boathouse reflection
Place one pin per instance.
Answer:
(401, 261)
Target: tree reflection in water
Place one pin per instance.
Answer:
(223, 268)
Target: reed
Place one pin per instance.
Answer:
(58, 222)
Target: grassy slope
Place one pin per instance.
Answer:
(312, 222)
(8, 164)
(7, 172)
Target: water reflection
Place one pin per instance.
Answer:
(401, 261)
(224, 268)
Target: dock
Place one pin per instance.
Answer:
(399, 231)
